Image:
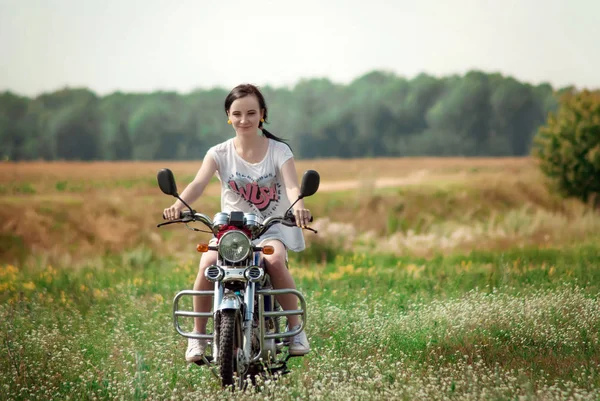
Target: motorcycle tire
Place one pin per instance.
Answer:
(230, 344)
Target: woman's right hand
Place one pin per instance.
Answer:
(173, 212)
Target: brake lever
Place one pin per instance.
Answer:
(169, 222)
(293, 224)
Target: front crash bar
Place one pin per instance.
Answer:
(262, 315)
(177, 313)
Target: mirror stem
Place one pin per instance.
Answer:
(290, 208)
(184, 202)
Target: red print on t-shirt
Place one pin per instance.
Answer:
(261, 197)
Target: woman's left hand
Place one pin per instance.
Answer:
(302, 217)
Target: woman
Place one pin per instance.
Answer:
(258, 175)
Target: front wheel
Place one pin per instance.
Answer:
(230, 347)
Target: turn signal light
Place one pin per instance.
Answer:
(202, 248)
(268, 250)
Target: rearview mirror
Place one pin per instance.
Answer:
(310, 183)
(166, 182)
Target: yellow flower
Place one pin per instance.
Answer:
(29, 285)
(466, 264)
(414, 270)
(100, 293)
(9, 271)
(45, 277)
(48, 275)
(348, 269)
(335, 275)
(343, 271)
(305, 273)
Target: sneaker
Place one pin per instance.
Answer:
(195, 349)
(299, 344)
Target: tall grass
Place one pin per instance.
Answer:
(461, 209)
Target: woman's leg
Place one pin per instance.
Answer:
(281, 278)
(196, 348)
(202, 303)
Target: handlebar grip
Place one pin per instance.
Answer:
(182, 214)
(165, 217)
(292, 218)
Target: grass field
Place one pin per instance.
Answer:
(453, 279)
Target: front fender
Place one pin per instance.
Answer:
(230, 301)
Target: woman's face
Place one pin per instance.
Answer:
(245, 114)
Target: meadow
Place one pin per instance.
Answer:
(429, 279)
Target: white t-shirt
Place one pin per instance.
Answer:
(257, 188)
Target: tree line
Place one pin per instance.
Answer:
(378, 114)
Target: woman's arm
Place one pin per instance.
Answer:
(193, 191)
(290, 179)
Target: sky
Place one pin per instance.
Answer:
(183, 45)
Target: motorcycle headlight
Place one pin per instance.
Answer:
(234, 246)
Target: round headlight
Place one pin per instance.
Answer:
(234, 246)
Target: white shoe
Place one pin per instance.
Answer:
(195, 349)
(299, 344)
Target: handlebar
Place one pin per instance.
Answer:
(188, 216)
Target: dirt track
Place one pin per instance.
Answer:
(347, 185)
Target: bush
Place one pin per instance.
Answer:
(568, 146)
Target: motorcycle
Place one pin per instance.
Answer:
(248, 337)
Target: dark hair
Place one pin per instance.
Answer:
(244, 90)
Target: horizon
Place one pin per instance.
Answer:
(283, 86)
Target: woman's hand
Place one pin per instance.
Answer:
(302, 217)
(173, 212)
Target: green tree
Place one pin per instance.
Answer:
(116, 109)
(514, 118)
(377, 114)
(312, 107)
(425, 90)
(568, 146)
(13, 134)
(465, 111)
(204, 122)
(68, 124)
(156, 128)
